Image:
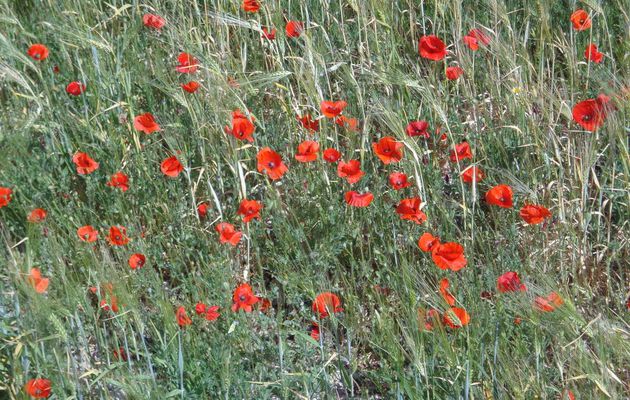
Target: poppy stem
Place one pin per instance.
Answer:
(180, 360)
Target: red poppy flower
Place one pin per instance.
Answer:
(331, 155)
(120, 354)
(171, 167)
(187, 64)
(350, 170)
(449, 256)
(461, 152)
(472, 173)
(534, 214)
(227, 233)
(212, 313)
(244, 298)
(426, 319)
(35, 279)
(85, 165)
(432, 48)
(250, 6)
(200, 308)
(5, 196)
(271, 163)
(75, 88)
(202, 210)
(325, 304)
(510, 282)
(549, 303)
(182, 318)
(569, 395)
(590, 114)
(38, 388)
(452, 73)
(314, 331)
(38, 52)
(409, 209)
(474, 37)
(269, 34)
(145, 123)
(87, 233)
(242, 127)
(456, 317)
(249, 209)
(418, 128)
(307, 122)
(117, 236)
(580, 19)
(388, 150)
(591, 54)
(294, 29)
(114, 304)
(307, 151)
(136, 261)
(427, 242)
(190, 87)
(398, 180)
(446, 295)
(347, 123)
(331, 109)
(37, 215)
(355, 199)
(500, 195)
(153, 21)
(119, 180)
(265, 305)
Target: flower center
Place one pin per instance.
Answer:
(242, 297)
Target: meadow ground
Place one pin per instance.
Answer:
(153, 300)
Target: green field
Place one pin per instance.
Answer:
(507, 89)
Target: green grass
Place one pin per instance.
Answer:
(513, 106)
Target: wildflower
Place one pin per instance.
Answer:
(75, 88)
(388, 150)
(136, 261)
(119, 180)
(87, 233)
(307, 151)
(153, 21)
(398, 180)
(227, 233)
(510, 282)
(427, 242)
(35, 279)
(294, 29)
(355, 199)
(271, 163)
(84, 163)
(38, 52)
(117, 236)
(249, 209)
(500, 195)
(243, 298)
(449, 256)
(171, 167)
(534, 214)
(350, 170)
(37, 215)
(39, 388)
(431, 48)
(145, 123)
(326, 303)
(580, 19)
